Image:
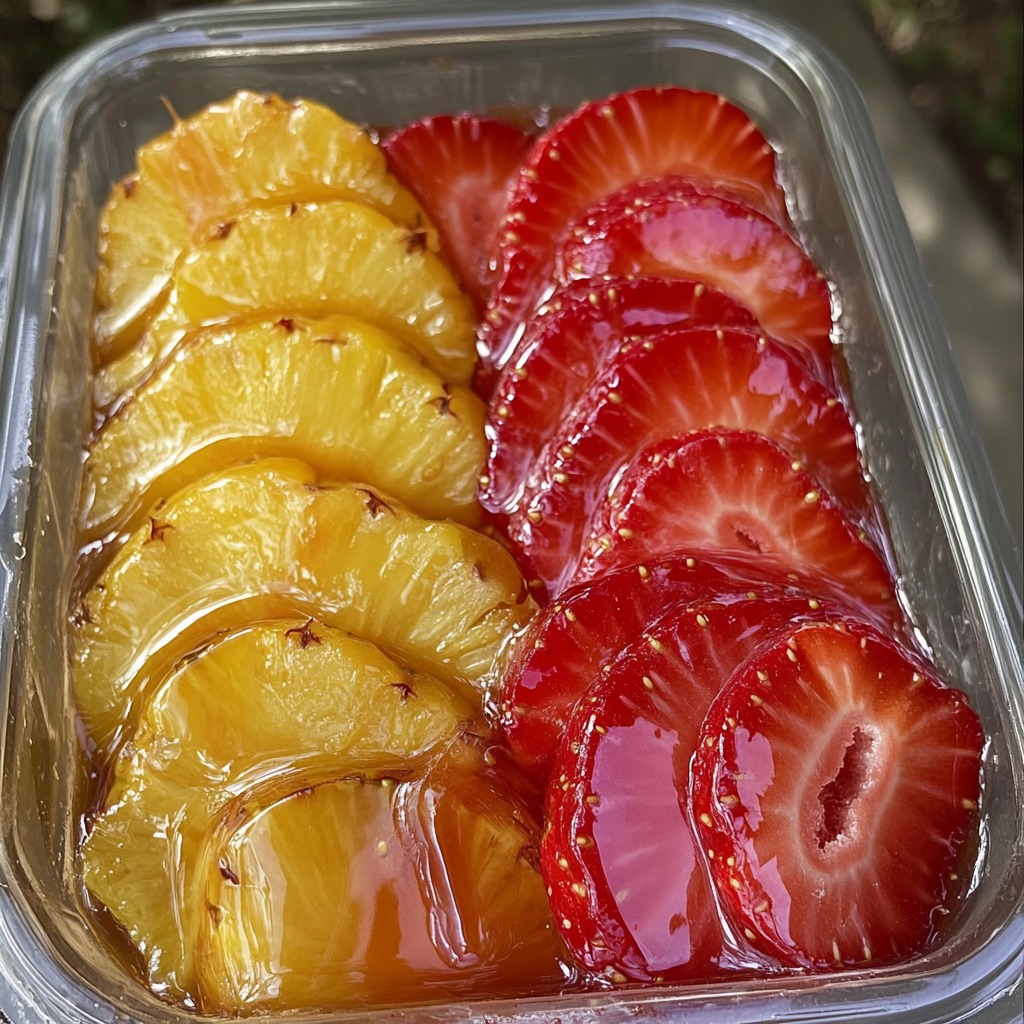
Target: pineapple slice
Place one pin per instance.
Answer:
(367, 891)
(309, 260)
(340, 394)
(266, 540)
(262, 712)
(253, 149)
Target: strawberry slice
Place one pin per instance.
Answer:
(561, 353)
(571, 642)
(603, 146)
(620, 856)
(459, 168)
(679, 381)
(836, 778)
(681, 227)
(737, 492)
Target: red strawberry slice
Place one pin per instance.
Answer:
(571, 642)
(679, 381)
(605, 145)
(679, 227)
(620, 856)
(561, 353)
(835, 781)
(737, 492)
(459, 168)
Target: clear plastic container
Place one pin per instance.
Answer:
(385, 63)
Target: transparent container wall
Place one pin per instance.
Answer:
(374, 67)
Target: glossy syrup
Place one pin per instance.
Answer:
(379, 892)
(381, 889)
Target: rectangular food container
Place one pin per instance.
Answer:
(387, 63)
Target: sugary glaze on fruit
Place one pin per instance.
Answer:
(417, 906)
(339, 756)
(253, 149)
(271, 386)
(252, 712)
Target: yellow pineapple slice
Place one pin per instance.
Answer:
(338, 393)
(309, 260)
(259, 714)
(373, 891)
(252, 149)
(266, 540)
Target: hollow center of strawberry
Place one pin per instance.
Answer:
(747, 533)
(838, 796)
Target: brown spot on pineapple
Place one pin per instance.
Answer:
(304, 633)
(128, 186)
(416, 242)
(226, 871)
(375, 504)
(157, 529)
(444, 402)
(530, 855)
(405, 691)
(82, 615)
(222, 230)
(287, 323)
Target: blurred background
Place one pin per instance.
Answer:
(943, 83)
(959, 61)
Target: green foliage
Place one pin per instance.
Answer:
(33, 44)
(962, 63)
(37, 34)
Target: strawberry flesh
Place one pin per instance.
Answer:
(737, 492)
(676, 382)
(459, 169)
(620, 855)
(606, 144)
(563, 349)
(836, 778)
(570, 643)
(681, 227)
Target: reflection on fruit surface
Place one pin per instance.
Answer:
(253, 148)
(265, 540)
(393, 693)
(271, 387)
(259, 712)
(379, 890)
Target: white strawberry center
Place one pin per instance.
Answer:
(838, 797)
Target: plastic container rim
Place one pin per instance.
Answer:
(933, 387)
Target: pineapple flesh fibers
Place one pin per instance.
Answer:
(259, 714)
(308, 260)
(338, 393)
(253, 149)
(380, 892)
(285, 630)
(267, 539)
